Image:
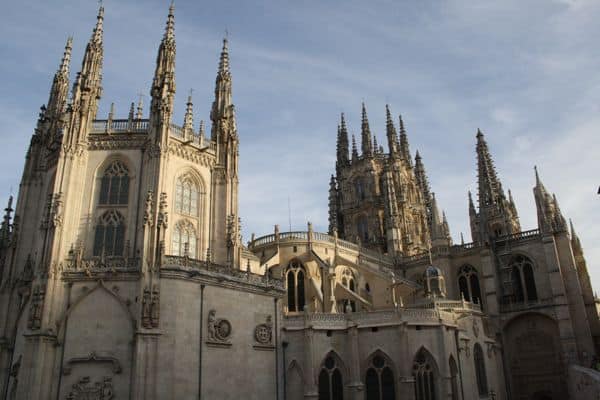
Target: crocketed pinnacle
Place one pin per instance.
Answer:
(367, 149)
(99, 29)
(342, 143)
(170, 28)
(66, 60)
(354, 149)
(188, 119)
(404, 148)
(422, 180)
(224, 60)
(163, 84)
(472, 210)
(391, 132)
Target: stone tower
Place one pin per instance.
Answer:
(380, 199)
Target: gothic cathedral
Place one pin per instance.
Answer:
(123, 274)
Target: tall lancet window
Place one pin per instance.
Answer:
(110, 235)
(184, 240)
(380, 379)
(468, 284)
(480, 374)
(424, 374)
(330, 380)
(295, 275)
(186, 196)
(114, 186)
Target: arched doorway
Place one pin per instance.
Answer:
(533, 358)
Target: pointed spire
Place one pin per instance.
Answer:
(163, 84)
(367, 150)
(354, 149)
(391, 132)
(342, 143)
(99, 28)
(422, 180)
(490, 188)
(404, 148)
(131, 112)
(60, 85)
(188, 120)
(472, 210)
(575, 242)
(462, 239)
(375, 145)
(140, 108)
(222, 108)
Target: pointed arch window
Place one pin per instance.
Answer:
(114, 185)
(424, 376)
(186, 196)
(468, 284)
(522, 279)
(453, 378)
(480, 370)
(330, 380)
(348, 282)
(363, 228)
(184, 240)
(109, 237)
(380, 379)
(295, 275)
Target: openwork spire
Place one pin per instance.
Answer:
(391, 132)
(490, 188)
(367, 149)
(224, 60)
(99, 29)
(222, 113)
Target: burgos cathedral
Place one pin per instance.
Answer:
(123, 273)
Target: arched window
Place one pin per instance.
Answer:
(360, 189)
(468, 284)
(330, 380)
(114, 186)
(380, 380)
(348, 282)
(184, 240)
(522, 279)
(295, 286)
(109, 238)
(424, 376)
(480, 370)
(186, 196)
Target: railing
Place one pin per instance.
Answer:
(446, 305)
(533, 233)
(109, 264)
(366, 318)
(233, 273)
(119, 126)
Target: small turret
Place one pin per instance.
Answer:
(333, 206)
(354, 149)
(188, 119)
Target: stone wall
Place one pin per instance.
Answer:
(584, 383)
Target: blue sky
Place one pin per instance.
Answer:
(526, 72)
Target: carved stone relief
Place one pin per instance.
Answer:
(151, 308)
(263, 334)
(219, 330)
(36, 308)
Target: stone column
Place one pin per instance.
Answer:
(355, 386)
(310, 386)
(405, 380)
(145, 367)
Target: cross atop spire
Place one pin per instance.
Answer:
(367, 149)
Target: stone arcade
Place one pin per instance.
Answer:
(123, 275)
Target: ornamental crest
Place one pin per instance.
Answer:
(263, 333)
(84, 390)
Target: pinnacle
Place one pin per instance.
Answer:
(98, 29)
(170, 27)
(224, 61)
(66, 60)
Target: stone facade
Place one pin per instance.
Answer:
(123, 275)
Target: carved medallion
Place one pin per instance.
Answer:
(84, 390)
(219, 329)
